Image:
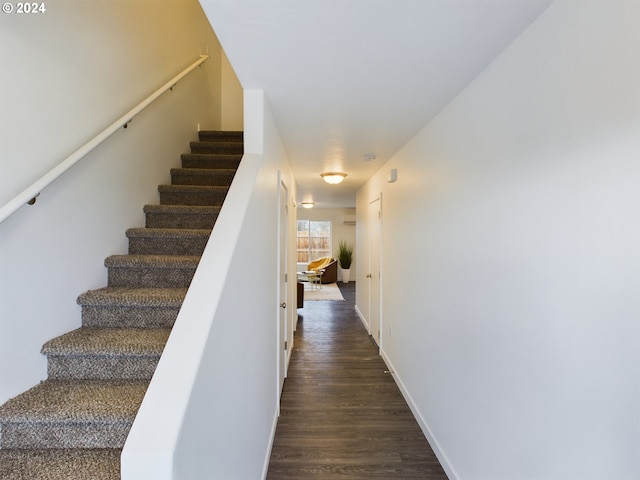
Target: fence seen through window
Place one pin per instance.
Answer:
(314, 240)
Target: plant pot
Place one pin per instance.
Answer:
(345, 275)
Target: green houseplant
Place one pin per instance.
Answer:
(345, 258)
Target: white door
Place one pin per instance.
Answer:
(375, 218)
(283, 307)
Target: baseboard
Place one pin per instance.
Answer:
(265, 468)
(362, 319)
(433, 443)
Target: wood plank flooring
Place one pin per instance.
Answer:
(342, 416)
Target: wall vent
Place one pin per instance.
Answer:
(349, 219)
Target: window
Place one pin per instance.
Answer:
(314, 240)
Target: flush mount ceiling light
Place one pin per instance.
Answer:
(308, 204)
(333, 178)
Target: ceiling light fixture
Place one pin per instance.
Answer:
(308, 204)
(333, 178)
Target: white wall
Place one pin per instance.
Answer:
(340, 231)
(510, 257)
(231, 96)
(211, 408)
(67, 74)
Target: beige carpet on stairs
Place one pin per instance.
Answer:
(73, 425)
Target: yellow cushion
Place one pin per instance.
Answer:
(319, 264)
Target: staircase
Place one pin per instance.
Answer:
(74, 424)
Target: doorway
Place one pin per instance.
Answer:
(374, 276)
(283, 307)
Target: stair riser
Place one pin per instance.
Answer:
(226, 148)
(148, 277)
(211, 136)
(66, 367)
(210, 161)
(187, 198)
(61, 464)
(164, 246)
(64, 435)
(221, 179)
(131, 317)
(180, 220)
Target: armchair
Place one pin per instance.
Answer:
(330, 267)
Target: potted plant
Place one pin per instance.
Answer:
(345, 257)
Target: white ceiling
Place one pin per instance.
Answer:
(347, 78)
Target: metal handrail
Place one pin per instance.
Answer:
(30, 193)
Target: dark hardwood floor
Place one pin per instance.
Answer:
(342, 416)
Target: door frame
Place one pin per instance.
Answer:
(372, 301)
(283, 298)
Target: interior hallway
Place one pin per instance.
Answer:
(342, 416)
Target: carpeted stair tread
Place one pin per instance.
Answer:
(205, 172)
(118, 307)
(217, 147)
(60, 464)
(109, 342)
(73, 401)
(167, 241)
(149, 271)
(192, 194)
(182, 209)
(181, 216)
(202, 176)
(194, 188)
(105, 353)
(210, 160)
(133, 297)
(170, 233)
(152, 261)
(229, 135)
(72, 414)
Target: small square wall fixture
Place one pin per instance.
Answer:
(333, 178)
(393, 175)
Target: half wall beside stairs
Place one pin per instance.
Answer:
(211, 408)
